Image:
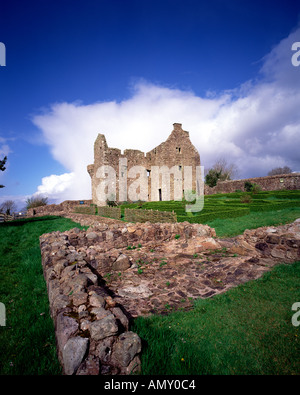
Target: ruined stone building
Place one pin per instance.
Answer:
(163, 173)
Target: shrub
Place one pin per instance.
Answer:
(245, 198)
(248, 186)
(256, 188)
(111, 203)
(36, 201)
(212, 177)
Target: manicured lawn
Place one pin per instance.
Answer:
(234, 226)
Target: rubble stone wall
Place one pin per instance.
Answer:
(269, 183)
(66, 206)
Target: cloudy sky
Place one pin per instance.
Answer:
(130, 69)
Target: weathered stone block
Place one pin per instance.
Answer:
(73, 353)
(103, 328)
(126, 348)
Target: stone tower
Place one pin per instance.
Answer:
(165, 172)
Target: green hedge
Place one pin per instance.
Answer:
(85, 209)
(111, 212)
(206, 217)
(274, 206)
(133, 215)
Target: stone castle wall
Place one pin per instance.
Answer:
(269, 183)
(176, 153)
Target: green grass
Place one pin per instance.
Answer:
(248, 330)
(234, 226)
(27, 342)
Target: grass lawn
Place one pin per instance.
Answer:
(248, 330)
(27, 342)
(235, 226)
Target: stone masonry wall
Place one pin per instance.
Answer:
(92, 330)
(177, 151)
(66, 206)
(269, 183)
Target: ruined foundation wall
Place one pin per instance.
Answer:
(64, 207)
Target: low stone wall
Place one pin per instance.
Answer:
(269, 183)
(92, 329)
(66, 206)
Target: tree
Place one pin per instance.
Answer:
(228, 170)
(2, 167)
(222, 171)
(212, 177)
(8, 207)
(280, 170)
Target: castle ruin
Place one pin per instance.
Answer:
(167, 172)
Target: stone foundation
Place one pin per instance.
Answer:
(99, 279)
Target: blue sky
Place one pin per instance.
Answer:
(130, 69)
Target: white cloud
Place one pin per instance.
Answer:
(256, 126)
(55, 185)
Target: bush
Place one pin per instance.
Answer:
(245, 198)
(256, 188)
(212, 177)
(91, 210)
(36, 201)
(111, 203)
(248, 186)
